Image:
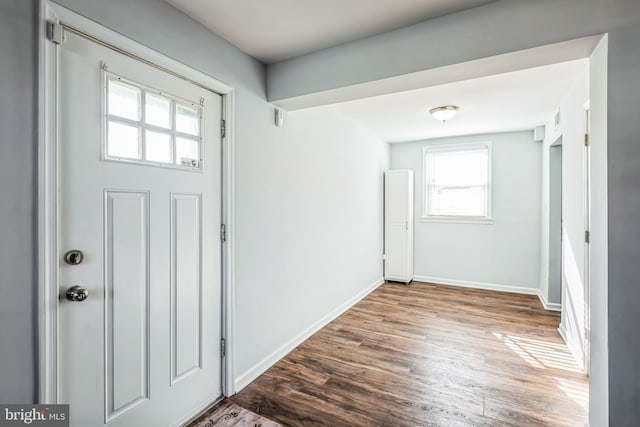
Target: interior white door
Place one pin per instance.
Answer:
(141, 198)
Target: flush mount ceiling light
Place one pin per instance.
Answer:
(444, 113)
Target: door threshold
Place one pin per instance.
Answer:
(200, 413)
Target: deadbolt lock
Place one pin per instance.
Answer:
(74, 257)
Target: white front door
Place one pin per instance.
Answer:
(140, 180)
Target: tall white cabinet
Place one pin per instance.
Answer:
(398, 225)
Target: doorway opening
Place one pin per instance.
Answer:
(555, 223)
(458, 252)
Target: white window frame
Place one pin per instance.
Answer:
(465, 219)
(142, 126)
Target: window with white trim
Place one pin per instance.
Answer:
(457, 182)
(144, 125)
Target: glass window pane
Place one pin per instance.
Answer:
(158, 147)
(187, 152)
(454, 168)
(157, 110)
(187, 120)
(458, 182)
(124, 100)
(458, 201)
(123, 141)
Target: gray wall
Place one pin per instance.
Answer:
(516, 25)
(18, 160)
(471, 252)
(623, 155)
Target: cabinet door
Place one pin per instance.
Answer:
(396, 221)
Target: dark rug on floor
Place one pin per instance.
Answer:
(229, 414)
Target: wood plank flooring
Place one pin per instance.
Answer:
(428, 355)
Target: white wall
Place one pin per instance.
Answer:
(506, 253)
(308, 225)
(571, 130)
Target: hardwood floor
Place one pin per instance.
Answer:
(428, 355)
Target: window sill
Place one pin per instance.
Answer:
(457, 220)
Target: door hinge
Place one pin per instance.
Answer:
(55, 32)
(223, 128)
(586, 139)
(223, 232)
(223, 347)
(587, 236)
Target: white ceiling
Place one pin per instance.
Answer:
(274, 30)
(500, 103)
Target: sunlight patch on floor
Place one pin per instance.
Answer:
(541, 354)
(550, 356)
(575, 390)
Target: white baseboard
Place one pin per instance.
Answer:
(477, 285)
(491, 287)
(548, 305)
(575, 350)
(259, 368)
(563, 333)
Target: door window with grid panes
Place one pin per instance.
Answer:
(143, 125)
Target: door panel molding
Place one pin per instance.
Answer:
(126, 301)
(48, 187)
(186, 326)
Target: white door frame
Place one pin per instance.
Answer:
(48, 190)
(587, 244)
